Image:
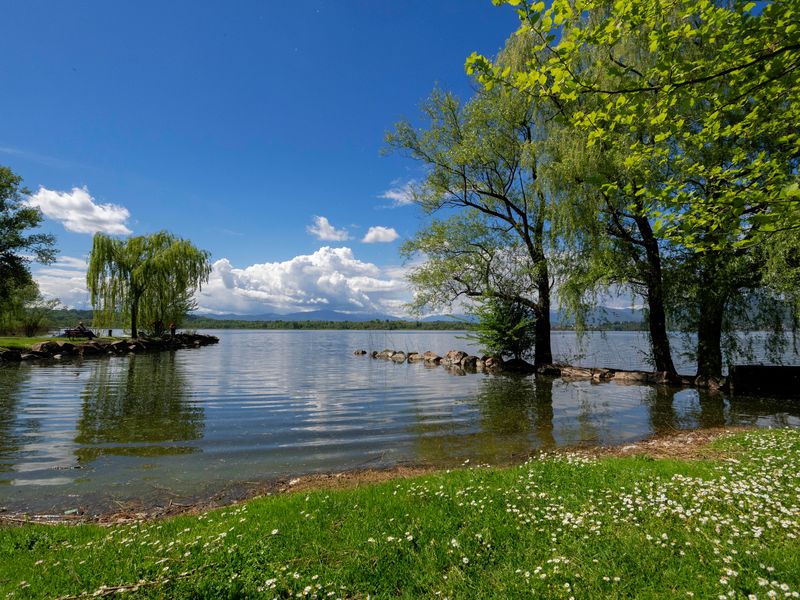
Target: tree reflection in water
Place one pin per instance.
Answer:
(514, 416)
(14, 424)
(137, 406)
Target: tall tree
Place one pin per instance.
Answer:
(483, 159)
(149, 278)
(17, 246)
(703, 111)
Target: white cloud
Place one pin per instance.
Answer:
(324, 231)
(78, 212)
(379, 234)
(65, 279)
(330, 278)
(400, 195)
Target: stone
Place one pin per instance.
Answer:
(359, 352)
(432, 357)
(519, 366)
(415, 357)
(549, 370)
(576, 373)
(10, 355)
(399, 357)
(492, 362)
(65, 348)
(46, 347)
(634, 377)
(454, 357)
(469, 362)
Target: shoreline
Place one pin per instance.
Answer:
(64, 348)
(680, 444)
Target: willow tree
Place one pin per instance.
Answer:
(149, 278)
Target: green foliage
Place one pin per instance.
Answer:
(150, 278)
(30, 312)
(17, 247)
(706, 74)
(505, 327)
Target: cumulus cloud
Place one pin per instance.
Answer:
(400, 195)
(65, 279)
(379, 234)
(79, 212)
(330, 278)
(323, 230)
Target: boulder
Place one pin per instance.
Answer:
(118, 347)
(49, 348)
(66, 348)
(469, 362)
(90, 348)
(359, 352)
(432, 357)
(10, 355)
(519, 366)
(415, 357)
(576, 373)
(399, 357)
(602, 374)
(454, 357)
(492, 362)
(634, 377)
(549, 370)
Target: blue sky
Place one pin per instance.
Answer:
(233, 125)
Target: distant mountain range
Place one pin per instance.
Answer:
(599, 315)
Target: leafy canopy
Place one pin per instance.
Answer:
(17, 246)
(724, 74)
(150, 278)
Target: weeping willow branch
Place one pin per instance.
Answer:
(151, 279)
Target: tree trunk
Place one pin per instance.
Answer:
(657, 320)
(544, 352)
(134, 317)
(709, 334)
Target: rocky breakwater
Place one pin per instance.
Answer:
(455, 360)
(61, 349)
(460, 363)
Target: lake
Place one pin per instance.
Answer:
(262, 405)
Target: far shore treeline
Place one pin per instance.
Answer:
(64, 318)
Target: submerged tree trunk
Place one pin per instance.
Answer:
(712, 302)
(654, 279)
(709, 336)
(544, 352)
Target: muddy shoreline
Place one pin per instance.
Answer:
(684, 444)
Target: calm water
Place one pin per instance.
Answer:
(262, 405)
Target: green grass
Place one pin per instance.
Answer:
(25, 343)
(556, 527)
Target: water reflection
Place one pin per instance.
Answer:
(137, 406)
(505, 419)
(263, 404)
(15, 423)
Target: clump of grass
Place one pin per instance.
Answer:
(562, 526)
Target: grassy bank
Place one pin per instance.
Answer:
(563, 526)
(25, 343)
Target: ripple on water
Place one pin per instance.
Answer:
(264, 404)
